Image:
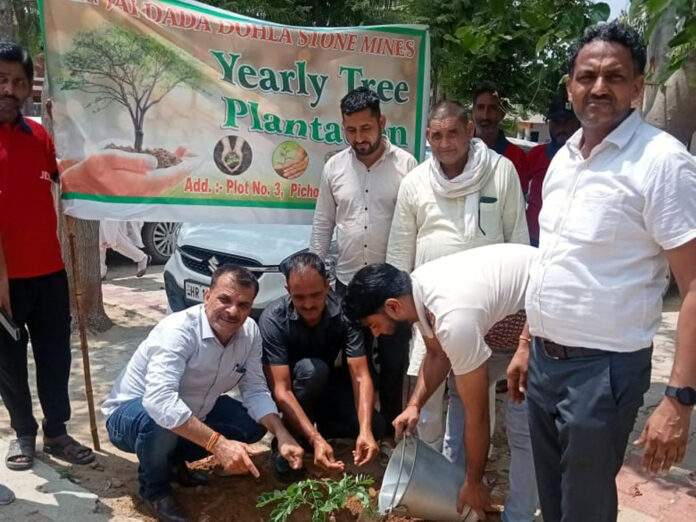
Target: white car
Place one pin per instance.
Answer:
(201, 248)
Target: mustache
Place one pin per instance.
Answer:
(9, 97)
(595, 98)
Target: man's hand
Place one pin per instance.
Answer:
(407, 421)
(517, 374)
(235, 457)
(119, 173)
(365, 449)
(290, 450)
(665, 435)
(324, 456)
(474, 495)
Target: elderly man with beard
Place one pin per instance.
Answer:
(464, 196)
(457, 301)
(357, 196)
(169, 405)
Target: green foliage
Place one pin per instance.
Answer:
(28, 29)
(116, 65)
(323, 497)
(520, 45)
(647, 14)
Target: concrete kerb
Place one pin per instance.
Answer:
(44, 494)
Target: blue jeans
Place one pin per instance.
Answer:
(158, 449)
(522, 499)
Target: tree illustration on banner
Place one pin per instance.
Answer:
(116, 65)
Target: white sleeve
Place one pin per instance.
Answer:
(670, 196)
(515, 229)
(324, 217)
(256, 396)
(165, 370)
(401, 249)
(461, 338)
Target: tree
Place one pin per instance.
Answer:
(6, 26)
(669, 100)
(119, 66)
(519, 45)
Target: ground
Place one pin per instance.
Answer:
(107, 490)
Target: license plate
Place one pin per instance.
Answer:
(194, 291)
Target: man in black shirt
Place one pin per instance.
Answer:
(307, 344)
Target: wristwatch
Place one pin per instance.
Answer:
(685, 395)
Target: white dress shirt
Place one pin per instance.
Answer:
(181, 369)
(359, 202)
(467, 293)
(604, 226)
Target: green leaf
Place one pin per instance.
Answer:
(542, 43)
(599, 12)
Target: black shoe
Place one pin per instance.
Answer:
(166, 509)
(182, 475)
(281, 468)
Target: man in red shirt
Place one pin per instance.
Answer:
(562, 125)
(37, 292)
(488, 114)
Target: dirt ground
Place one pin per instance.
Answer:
(135, 306)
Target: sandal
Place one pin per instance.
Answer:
(21, 448)
(68, 449)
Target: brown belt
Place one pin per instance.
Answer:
(559, 351)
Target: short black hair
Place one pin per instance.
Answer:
(448, 109)
(614, 32)
(360, 99)
(371, 287)
(301, 262)
(486, 87)
(242, 276)
(10, 52)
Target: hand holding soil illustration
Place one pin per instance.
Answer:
(295, 167)
(120, 173)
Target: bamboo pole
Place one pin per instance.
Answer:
(77, 291)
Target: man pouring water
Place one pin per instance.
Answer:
(463, 304)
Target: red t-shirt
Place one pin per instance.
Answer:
(29, 224)
(519, 160)
(538, 161)
(516, 155)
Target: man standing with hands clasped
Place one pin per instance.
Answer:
(618, 207)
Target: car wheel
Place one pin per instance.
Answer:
(160, 240)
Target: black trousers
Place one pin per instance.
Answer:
(41, 308)
(326, 397)
(392, 351)
(581, 413)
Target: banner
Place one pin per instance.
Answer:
(171, 110)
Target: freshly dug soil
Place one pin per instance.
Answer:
(164, 157)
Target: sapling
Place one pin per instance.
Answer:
(323, 497)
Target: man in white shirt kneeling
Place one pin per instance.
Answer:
(168, 407)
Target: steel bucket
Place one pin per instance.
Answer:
(421, 483)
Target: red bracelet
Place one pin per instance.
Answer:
(211, 442)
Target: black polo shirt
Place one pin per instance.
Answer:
(287, 338)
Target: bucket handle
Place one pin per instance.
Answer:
(401, 469)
